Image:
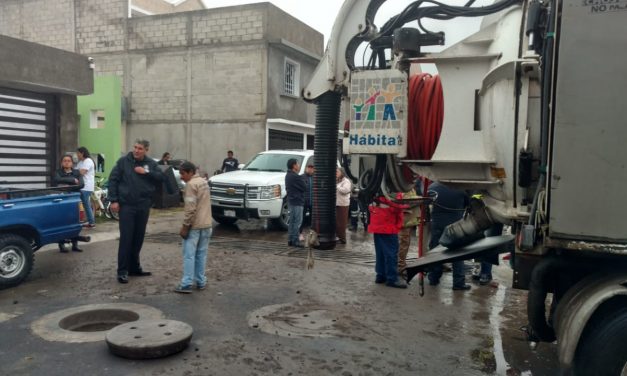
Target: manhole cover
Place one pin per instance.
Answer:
(90, 323)
(149, 339)
(288, 320)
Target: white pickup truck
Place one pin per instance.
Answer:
(257, 190)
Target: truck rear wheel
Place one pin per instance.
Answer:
(283, 221)
(16, 260)
(605, 337)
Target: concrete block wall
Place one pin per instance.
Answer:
(159, 87)
(197, 83)
(228, 84)
(204, 144)
(106, 65)
(158, 32)
(41, 21)
(228, 25)
(101, 26)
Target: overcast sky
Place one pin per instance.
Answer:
(320, 14)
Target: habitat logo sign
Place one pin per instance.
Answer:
(378, 140)
(378, 102)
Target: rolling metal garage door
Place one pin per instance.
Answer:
(278, 140)
(27, 140)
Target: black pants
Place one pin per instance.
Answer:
(133, 221)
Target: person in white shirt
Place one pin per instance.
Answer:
(344, 188)
(87, 169)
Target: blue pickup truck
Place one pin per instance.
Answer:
(30, 219)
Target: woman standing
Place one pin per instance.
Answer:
(165, 159)
(87, 169)
(343, 188)
(67, 176)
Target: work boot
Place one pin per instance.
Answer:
(485, 279)
(399, 284)
(75, 246)
(463, 287)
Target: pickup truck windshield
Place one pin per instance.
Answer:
(271, 162)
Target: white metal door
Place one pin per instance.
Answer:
(27, 140)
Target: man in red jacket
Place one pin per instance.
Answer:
(386, 220)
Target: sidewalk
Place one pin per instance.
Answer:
(161, 220)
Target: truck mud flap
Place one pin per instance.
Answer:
(439, 255)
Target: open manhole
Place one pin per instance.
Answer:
(97, 320)
(90, 323)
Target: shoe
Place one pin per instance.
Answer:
(62, 249)
(399, 284)
(476, 277)
(289, 243)
(183, 289)
(140, 273)
(201, 287)
(341, 241)
(379, 280)
(403, 274)
(484, 279)
(123, 279)
(76, 249)
(463, 287)
(89, 225)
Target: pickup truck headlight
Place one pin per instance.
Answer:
(270, 192)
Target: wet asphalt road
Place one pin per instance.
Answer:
(329, 320)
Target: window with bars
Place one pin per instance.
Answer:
(291, 78)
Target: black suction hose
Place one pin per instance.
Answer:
(325, 157)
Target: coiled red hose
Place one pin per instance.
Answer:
(424, 125)
(425, 115)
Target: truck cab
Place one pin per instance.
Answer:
(257, 190)
(30, 219)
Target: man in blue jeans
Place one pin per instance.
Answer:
(448, 207)
(196, 229)
(295, 186)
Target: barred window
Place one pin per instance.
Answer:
(291, 78)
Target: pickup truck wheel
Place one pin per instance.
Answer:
(16, 260)
(283, 221)
(605, 337)
(227, 221)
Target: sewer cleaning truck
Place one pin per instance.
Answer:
(530, 113)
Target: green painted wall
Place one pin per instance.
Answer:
(98, 135)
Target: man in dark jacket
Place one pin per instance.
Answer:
(132, 183)
(295, 186)
(449, 207)
(229, 163)
(307, 208)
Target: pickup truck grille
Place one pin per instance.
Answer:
(233, 192)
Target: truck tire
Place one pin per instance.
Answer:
(16, 260)
(283, 221)
(227, 221)
(602, 349)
